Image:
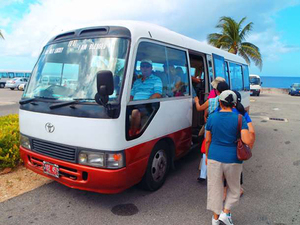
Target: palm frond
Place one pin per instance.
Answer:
(253, 53)
(245, 31)
(231, 38)
(1, 35)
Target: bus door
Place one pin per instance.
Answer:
(199, 75)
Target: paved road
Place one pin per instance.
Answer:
(9, 101)
(272, 179)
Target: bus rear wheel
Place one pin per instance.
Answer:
(157, 169)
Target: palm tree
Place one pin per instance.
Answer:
(232, 39)
(1, 35)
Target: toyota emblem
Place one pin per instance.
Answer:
(49, 127)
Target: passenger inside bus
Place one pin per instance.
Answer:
(148, 86)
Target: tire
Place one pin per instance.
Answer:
(157, 168)
(12, 89)
(18, 88)
(2, 85)
(258, 93)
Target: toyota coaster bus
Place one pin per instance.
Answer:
(76, 112)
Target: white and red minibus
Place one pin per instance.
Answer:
(76, 112)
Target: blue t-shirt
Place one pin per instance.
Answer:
(142, 90)
(247, 117)
(223, 127)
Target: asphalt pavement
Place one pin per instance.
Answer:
(9, 101)
(271, 183)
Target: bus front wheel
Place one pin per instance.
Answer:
(157, 169)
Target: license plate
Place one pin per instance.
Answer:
(51, 169)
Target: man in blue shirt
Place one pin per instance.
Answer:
(148, 86)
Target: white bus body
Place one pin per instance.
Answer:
(67, 136)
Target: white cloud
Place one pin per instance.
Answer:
(4, 22)
(192, 18)
(270, 45)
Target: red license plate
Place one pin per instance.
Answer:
(51, 169)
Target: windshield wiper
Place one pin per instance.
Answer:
(25, 101)
(75, 101)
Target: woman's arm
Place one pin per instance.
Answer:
(247, 137)
(201, 107)
(207, 143)
(252, 132)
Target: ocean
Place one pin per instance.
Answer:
(278, 82)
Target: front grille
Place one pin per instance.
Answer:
(63, 152)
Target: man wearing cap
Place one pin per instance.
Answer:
(148, 86)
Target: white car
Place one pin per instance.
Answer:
(14, 83)
(21, 87)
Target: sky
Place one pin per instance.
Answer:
(27, 25)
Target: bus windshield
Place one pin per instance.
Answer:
(67, 70)
(254, 81)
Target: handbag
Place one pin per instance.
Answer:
(243, 151)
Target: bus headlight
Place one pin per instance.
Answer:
(25, 142)
(102, 159)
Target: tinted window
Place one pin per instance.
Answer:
(227, 77)
(20, 74)
(210, 69)
(169, 70)
(219, 66)
(236, 77)
(11, 75)
(3, 75)
(246, 77)
(176, 70)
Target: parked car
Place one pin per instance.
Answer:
(295, 89)
(22, 87)
(14, 83)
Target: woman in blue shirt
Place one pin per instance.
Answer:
(221, 136)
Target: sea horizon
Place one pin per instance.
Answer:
(279, 81)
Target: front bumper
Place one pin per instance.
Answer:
(84, 177)
(254, 92)
(297, 92)
(7, 85)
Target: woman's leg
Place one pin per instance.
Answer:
(232, 174)
(214, 187)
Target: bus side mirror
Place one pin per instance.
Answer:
(105, 86)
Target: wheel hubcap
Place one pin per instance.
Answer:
(159, 166)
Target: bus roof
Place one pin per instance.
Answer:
(140, 30)
(14, 71)
(254, 75)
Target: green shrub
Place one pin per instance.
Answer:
(9, 141)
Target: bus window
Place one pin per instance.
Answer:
(20, 74)
(149, 77)
(3, 75)
(227, 77)
(219, 66)
(176, 70)
(236, 77)
(246, 78)
(11, 75)
(210, 69)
